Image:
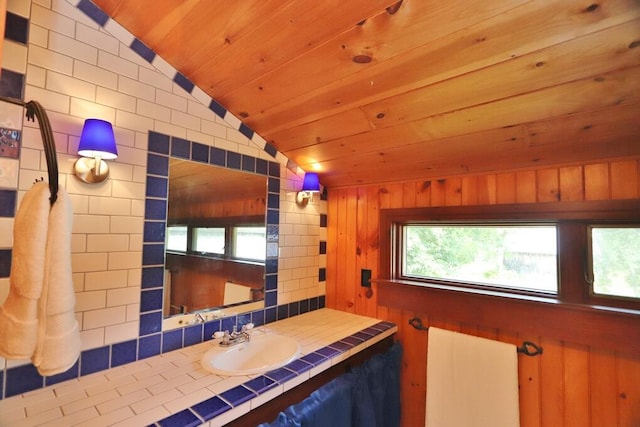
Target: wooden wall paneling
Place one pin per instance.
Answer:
(571, 183)
(596, 181)
(409, 194)
(332, 247)
(624, 179)
(552, 407)
(438, 192)
(629, 391)
(351, 276)
(339, 272)
(384, 197)
(603, 390)
(547, 183)
(342, 268)
(576, 386)
(469, 190)
(423, 194)
(453, 192)
(505, 188)
(530, 386)
(487, 332)
(468, 328)
(360, 247)
(486, 190)
(366, 248)
(526, 190)
(396, 191)
(372, 246)
(570, 383)
(414, 374)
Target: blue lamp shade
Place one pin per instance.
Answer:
(98, 140)
(311, 182)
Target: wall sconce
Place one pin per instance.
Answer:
(310, 185)
(97, 142)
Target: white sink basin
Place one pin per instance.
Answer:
(263, 353)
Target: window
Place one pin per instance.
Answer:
(177, 238)
(511, 256)
(209, 240)
(615, 261)
(582, 253)
(242, 242)
(249, 243)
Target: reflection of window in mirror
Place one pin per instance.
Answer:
(177, 238)
(249, 243)
(209, 240)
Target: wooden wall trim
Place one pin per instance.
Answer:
(597, 327)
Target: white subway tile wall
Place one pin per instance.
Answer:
(76, 69)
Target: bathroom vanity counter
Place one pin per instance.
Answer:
(173, 389)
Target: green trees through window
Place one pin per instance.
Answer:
(616, 261)
(513, 256)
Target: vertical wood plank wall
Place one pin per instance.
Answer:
(571, 384)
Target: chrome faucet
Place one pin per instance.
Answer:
(200, 318)
(235, 337)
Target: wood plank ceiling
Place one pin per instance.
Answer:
(370, 91)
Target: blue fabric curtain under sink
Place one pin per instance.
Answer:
(368, 396)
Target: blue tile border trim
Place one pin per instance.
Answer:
(25, 378)
(252, 388)
(101, 18)
(93, 12)
(165, 147)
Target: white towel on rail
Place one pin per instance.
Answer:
(58, 345)
(471, 381)
(18, 314)
(235, 293)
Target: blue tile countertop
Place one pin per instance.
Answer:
(173, 389)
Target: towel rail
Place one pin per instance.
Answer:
(527, 348)
(34, 109)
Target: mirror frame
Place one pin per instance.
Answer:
(161, 148)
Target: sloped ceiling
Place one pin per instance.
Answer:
(370, 91)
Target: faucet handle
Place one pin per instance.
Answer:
(247, 327)
(218, 334)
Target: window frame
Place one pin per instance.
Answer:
(228, 224)
(572, 219)
(604, 299)
(398, 261)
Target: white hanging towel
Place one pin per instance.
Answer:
(235, 293)
(471, 381)
(58, 344)
(18, 314)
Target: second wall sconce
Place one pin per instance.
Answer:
(310, 185)
(97, 142)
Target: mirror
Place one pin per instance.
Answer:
(216, 239)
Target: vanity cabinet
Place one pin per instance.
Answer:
(270, 410)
